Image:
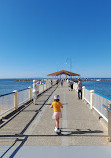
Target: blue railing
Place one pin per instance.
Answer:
(106, 107)
(102, 95)
(23, 89)
(7, 101)
(6, 94)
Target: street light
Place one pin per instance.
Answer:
(70, 61)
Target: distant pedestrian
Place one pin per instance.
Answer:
(61, 82)
(56, 105)
(51, 82)
(57, 82)
(35, 91)
(79, 89)
(71, 85)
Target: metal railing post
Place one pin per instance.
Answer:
(109, 123)
(73, 85)
(46, 85)
(83, 91)
(91, 99)
(30, 93)
(43, 87)
(15, 100)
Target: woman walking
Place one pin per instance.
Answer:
(56, 105)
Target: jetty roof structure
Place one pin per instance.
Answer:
(63, 72)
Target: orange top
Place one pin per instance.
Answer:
(56, 106)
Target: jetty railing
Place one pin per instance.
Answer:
(12, 101)
(23, 96)
(100, 103)
(99, 100)
(87, 95)
(6, 103)
(95, 101)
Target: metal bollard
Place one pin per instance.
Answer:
(46, 85)
(15, 100)
(43, 87)
(30, 93)
(83, 90)
(91, 98)
(109, 122)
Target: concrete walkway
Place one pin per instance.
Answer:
(33, 125)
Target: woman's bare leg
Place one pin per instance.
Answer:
(57, 123)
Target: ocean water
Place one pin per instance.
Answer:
(9, 85)
(102, 87)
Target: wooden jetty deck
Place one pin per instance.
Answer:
(33, 124)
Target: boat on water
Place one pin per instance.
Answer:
(98, 80)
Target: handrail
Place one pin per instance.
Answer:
(106, 107)
(22, 89)
(6, 94)
(102, 95)
(88, 89)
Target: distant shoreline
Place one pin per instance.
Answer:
(83, 79)
(93, 79)
(28, 80)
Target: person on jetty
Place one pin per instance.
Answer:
(57, 82)
(79, 89)
(35, 91)
(51, 82)
(61, 82)
(71, 84)
(56, 105)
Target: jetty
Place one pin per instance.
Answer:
(32, 125)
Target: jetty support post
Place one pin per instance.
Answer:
(91, 99)
(46, 84)
(109, 122)
(43, 86)
(15, 100)
(30, 93)
(83, 91)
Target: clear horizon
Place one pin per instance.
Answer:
(37, 37)
(58, 78)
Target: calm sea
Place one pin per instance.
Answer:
(102, 87)
(9, 85)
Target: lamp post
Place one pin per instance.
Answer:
(70, 61)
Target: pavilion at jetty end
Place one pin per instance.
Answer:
(63, 72)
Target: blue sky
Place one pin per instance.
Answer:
(38, 36)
